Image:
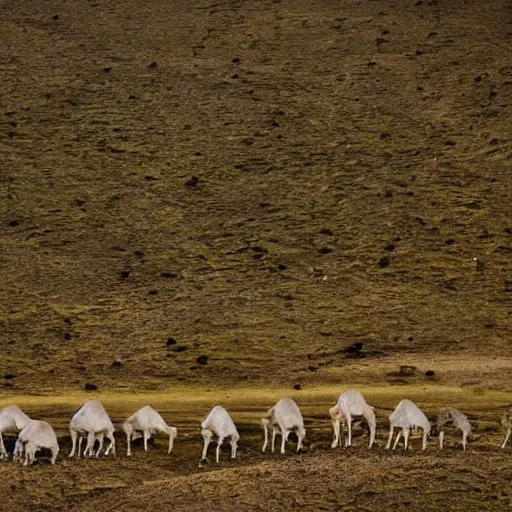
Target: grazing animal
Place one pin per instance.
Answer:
(36, 435)
(12, 419)
(283, 418)
(407, 416)
(351, 403)
(506, 422)
(91, 420)
(449, 415)
(219, 423)
(147, 421)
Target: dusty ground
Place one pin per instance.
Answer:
(196, 195)
(317, 479)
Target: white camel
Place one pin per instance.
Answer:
(12, 419)
(91, 420)
(219, 423)
(451, 416)
(283, 418)
(36, 435)
(351, 403)
(506, 422)
(407, 416)
(147, 421)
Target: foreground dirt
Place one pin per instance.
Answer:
(319, 478)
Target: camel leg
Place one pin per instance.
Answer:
(274, 434)
(100, 447)
(265, 442)
(89, 449)
(406, 433)
(284, 438)
(233, 448)
(397, 439)
(3, 451)
(388, 444)
(74, 435)
(207, 436)
(128, 444)
(112, 446)
(336, 431)
(349, 422)
(217, 452)
(441, 439)
(506, 438)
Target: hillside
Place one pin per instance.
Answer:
(262, 183)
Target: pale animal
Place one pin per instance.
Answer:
(450, 416)
(145, 422)
(283, 418)
(12, 419)
(351, 403)
(407, 416)
(506, 423)
(91, 420)
(34, 436)
(219, 423)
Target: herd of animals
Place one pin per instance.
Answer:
(92, 422)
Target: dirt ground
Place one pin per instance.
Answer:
(318, 478)
(271, 196)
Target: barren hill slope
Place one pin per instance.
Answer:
(262, 183)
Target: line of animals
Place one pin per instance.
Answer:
(93, 423)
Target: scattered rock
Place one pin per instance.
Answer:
(152, 292)
(449, 241)
(181, 348)
(14, 223)
(390, 247)
(90, 387)
(325, 250)
(168, 275)
(153, 65)
(384, 262)
(192, 182)
(202, 360)
(355, 351)
(171, 341)
(297, 387)
(125, 274)
(312, 368)
(326, 231)
(9, 376)
(236, 60)
(67, 336)
(116, 364)
(281, 267)
(430, 373)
